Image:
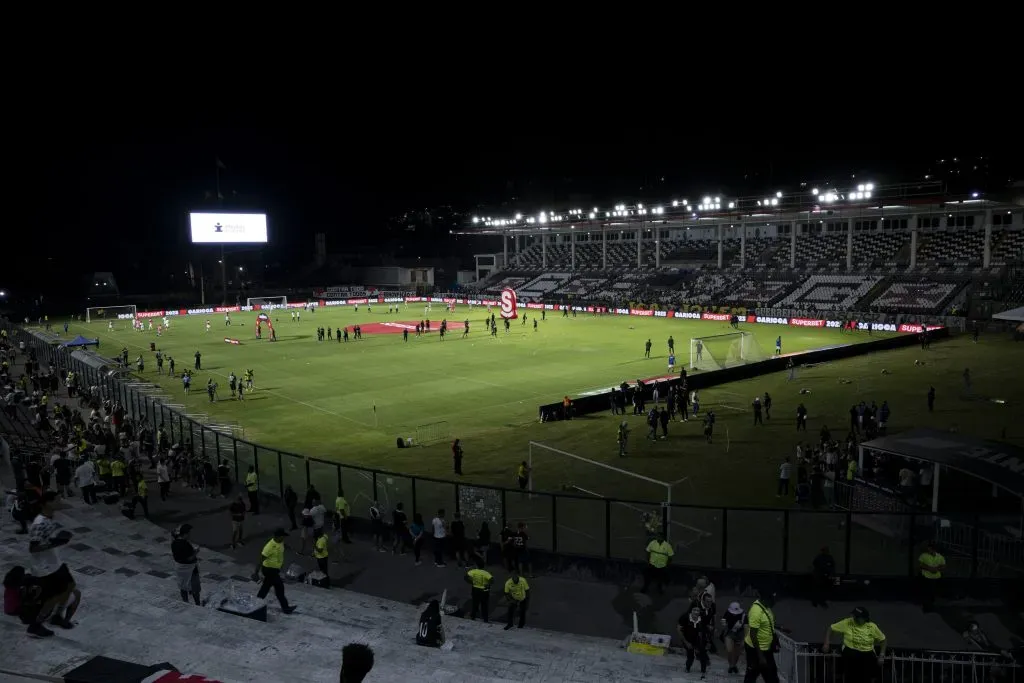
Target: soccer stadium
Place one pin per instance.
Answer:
(751, 378)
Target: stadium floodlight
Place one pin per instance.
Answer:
(779, 195)
(592, 214)
(607, 214)
(815, 192)
(675, 202)
(974, 195)
(519, 216)
(476, 219)
(869, 187)
(639, 206)
(689, 208)
(775, 202)
(732, 205)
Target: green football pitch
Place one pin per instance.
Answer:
(348, 402)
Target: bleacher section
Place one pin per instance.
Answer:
(952, 249)
(916, 296)
(830, 292)
(753, 292)
(541, 285)
(878, 250)
(1008, 247)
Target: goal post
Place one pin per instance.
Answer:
(267, 302)
(720, 351)
(432, 432)
(106, 313)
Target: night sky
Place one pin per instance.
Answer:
(112, 194)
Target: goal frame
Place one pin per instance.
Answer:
(432, 433)
(283, 303)
(666, 504)
(743, 337)
(133, 307)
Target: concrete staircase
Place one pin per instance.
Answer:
(131, 611)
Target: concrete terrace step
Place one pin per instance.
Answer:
(131, 609)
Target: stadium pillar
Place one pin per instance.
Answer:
(504, 247)
(743, 245)
(657, 248)
(543, 251)
(987, 258)
(913, 248)
(792, 245)
(849, 246)
(720, 259)
(519, 253)
(572, 250)
(639, 255)
(604, 248)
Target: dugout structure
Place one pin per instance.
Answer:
(721, 351)
(110, 313)
(431, 433)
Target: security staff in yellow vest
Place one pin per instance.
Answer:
(860, 636)
(320, 554)
(252, 486)
(480, 579)
(117, 470)
(271, 563)
(759, 642)
(103, 470)
(659, 552)
(930, 563)
(517, 591)
(141, 497)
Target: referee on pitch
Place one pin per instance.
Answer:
(861, 663)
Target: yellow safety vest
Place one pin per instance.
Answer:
(273, 555)
(251, 483)
(479, 578)
(320, 548)
(517, 591)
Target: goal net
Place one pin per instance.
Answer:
(267, 302)
(720, 351)
(432, 432)
(597, 500)
(106, 313)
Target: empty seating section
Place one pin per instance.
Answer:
(1008, 247)
(821, 250)
(878, 250)
(752, 292)
(952, 249)
(542, 284)
(916, 296)
(830, 292)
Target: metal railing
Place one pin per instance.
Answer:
(805, 663)
(882, 543)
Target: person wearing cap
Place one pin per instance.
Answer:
(58, 596)
(186, 563)
(759, 643)
(271, 563)
(931, 564)
(860, 637)
(733, 623)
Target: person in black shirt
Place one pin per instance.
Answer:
(291, 499)
(520, 541)
(62, 473)
(824, 569)
(458, 530)
(186, 563)
(431, 632)
(400, 527)
(224, 476)
(694, 635)
(237, 510)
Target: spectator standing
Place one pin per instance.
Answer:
(85, 478)
(252, 487)
(163, 479)
(320, 551)
(418, 533)
(823, 571)
(186, 564)
(341, 515)
(291, 501)
(458, 541)
(237, 512)
(785, 472)
(457, 456)
(440, 534)
(733, 623)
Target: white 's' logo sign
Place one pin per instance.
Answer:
(509, 303)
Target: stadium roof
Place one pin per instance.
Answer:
(1015, 315)
(997, 463)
